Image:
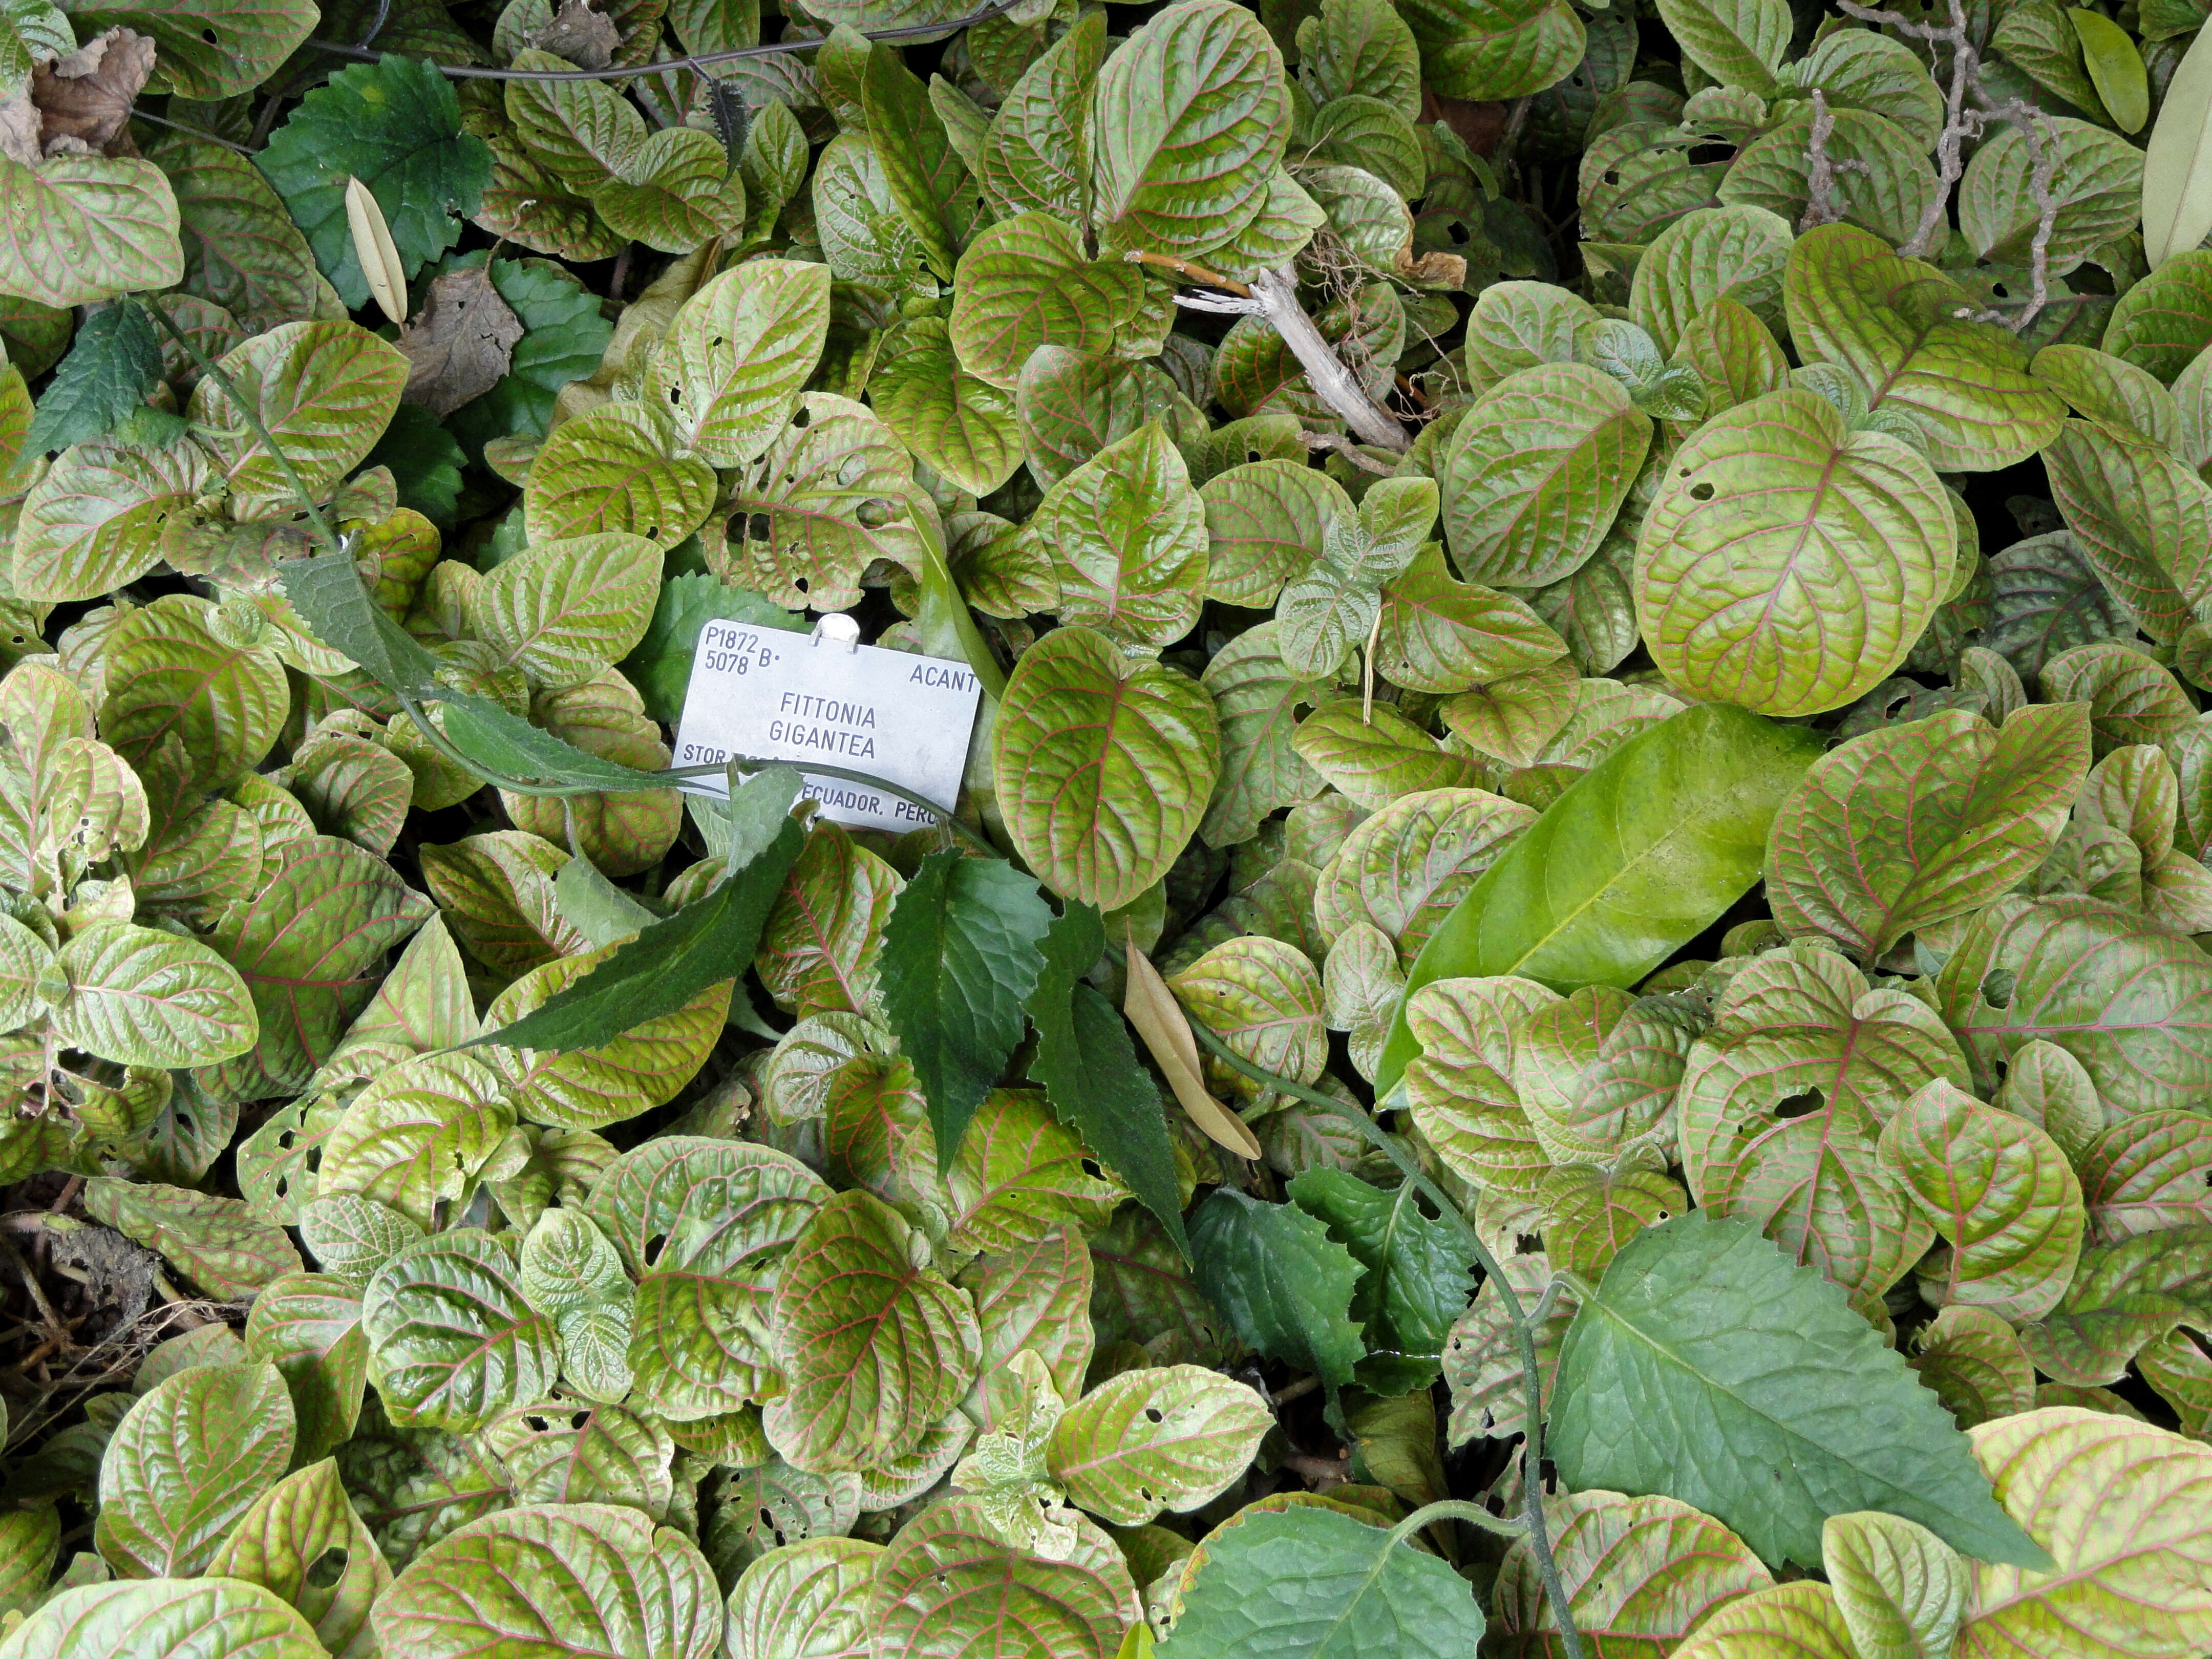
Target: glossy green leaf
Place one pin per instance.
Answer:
(1285, 1284)
(1706, 785)
(450, 1342)
(187, 1460)
(178, 1618)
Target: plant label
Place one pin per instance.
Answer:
(774, 696)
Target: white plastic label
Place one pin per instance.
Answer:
(789, 697)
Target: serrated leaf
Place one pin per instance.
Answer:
(1089, 1070)
(960, 958)
(114, 362)
(1286, 1286)
(1813, 1396)
(396, 125)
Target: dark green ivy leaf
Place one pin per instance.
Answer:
(960, 958)
(668, 963)
(564, 336)
(1711, 1368)
(1285, 1285)
(396, 125)
(1091, 1075)
(1417, 1278)
(114, 361)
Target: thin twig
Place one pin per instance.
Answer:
(697, 62)
(179, 126)
(1337, 443)
(1189, 269)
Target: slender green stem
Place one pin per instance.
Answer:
(1524, 1329)
(1454, 1509)
(330, 539)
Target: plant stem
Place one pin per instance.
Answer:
(1524, 1329)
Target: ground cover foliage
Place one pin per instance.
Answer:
(1562, 1015)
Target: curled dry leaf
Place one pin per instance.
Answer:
(461, 343)
(1152, 1009)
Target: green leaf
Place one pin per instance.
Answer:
(1438, 634)
(308, 1325)
(113, 363)
(287, 1533)
(1535, 474)
(2124, 1297)
(179, 1618)
(396, 125)
(667, 964)
(95, 521)
(1025, 283)
(1915, 825)
(2118, 993)
(1170, 1437)
(560, 611)
(2000, 1190)
(1639, 1568)
(1901, 1588)
(559, 1578)
(451, 1344)
(216, 1242)
(962, 428)
(607, 469)
(1314, 1584)
(141, 997)
(738, 357)
(1104, 765)
(703, 1224)
(1963, 385)
(1484, 49)
(950, 1580)
(1761, 1398)
(1735, 253)
(2139, 519)
(873, 1348)
(2177, 199)
(1375, 757)
(187, 1460)
(324, 392)
(1285, 1285)
(961, 956)
(927, 178)
(1036, 154)
(2096, 190)
(1126, 537)
(79, 228)
(1600, 892)
(1739, 43)
(1417, 1277)
(242, 251)
(1846, 537)
(1189, 123)
(1091, 1071)
(1883, 182)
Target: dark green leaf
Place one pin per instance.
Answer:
(1314, 1583)
(1285, 1285)
(1090, 1072)
(660, 667)
(396, 125)
(113, 362)
(1639, 856)
(667, 964)
(960, 958)
(426, 463)
(1417, 1277)
(1711, 1368)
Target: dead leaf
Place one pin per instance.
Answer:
(585, 38)
(1159, 1019)
(372, 246)
(86, 97)
(461, 343)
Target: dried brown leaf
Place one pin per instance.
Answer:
(1159, 1019)
(461, 343)
(585, 38)
(80, 104)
